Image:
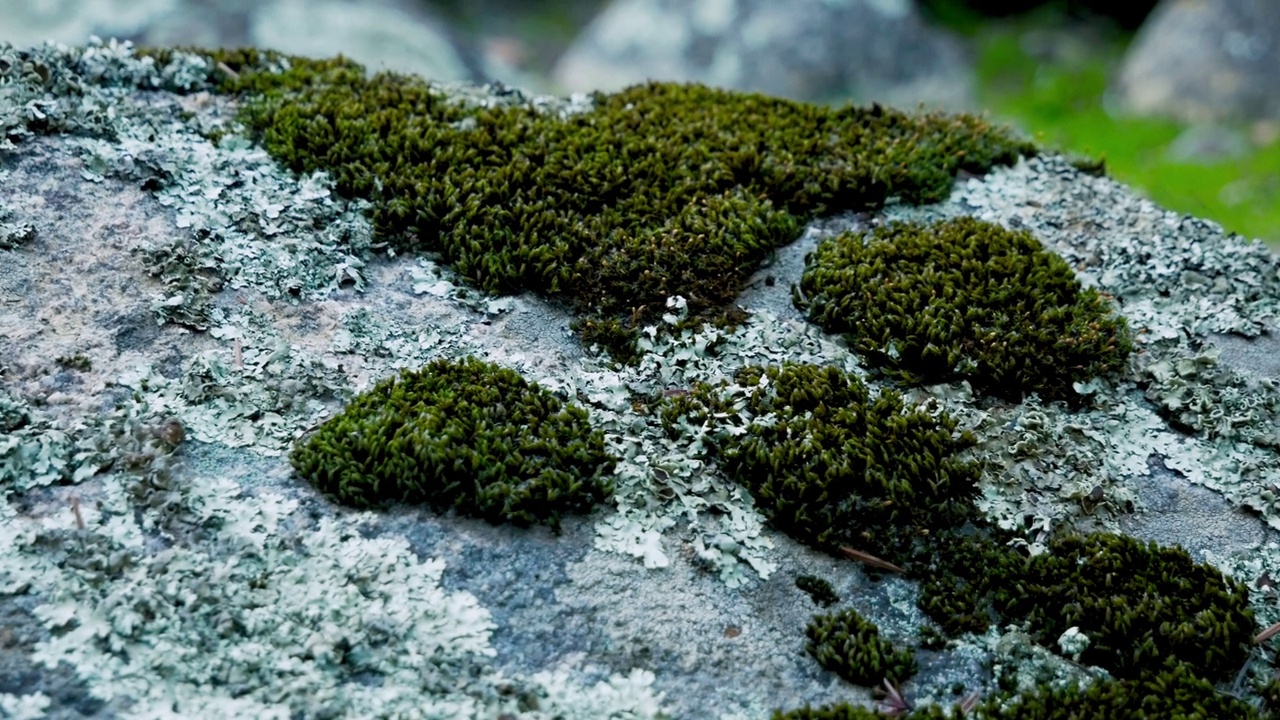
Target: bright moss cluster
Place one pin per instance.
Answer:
(464, 434)
(964, 298)
(659, 190)
(850, 646)
(843, 467)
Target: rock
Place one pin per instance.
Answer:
(864, 50)
(1204, 60)
(398, 35)
(208, 286)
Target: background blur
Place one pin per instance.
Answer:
(1181, 97)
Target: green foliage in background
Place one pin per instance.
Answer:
(1062, 101)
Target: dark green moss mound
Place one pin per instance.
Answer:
(840, 467)
(464, 434)
(1139, 603)
(660, 190)
(957, 581)
(850, 646)
(818, 589)
(968, 299)
(1172, 692)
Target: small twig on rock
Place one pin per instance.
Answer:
(872, 560)
(75, 508)
(1267, 634)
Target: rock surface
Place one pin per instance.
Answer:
(864, 50)
(1205, 60)
(210, 581)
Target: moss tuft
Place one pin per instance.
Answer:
(968, 299)
(1137, 602)
(818, 590)
(658, 190)
(840, 467)
(464, 434)
(1171, 691)
(850, 646)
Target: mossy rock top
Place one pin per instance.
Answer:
(464, 434)
(658, 190)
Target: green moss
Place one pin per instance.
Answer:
(850, 646)
(657, 190)
(818, 589)
(1174, 691)
(966, 299)
(841, 467)
(1138, 603)
(464, 434)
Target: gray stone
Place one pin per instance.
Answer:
(818, 50)
(398, 35)
(212, 582)
(1204, 60)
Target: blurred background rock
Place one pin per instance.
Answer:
(1181, 97)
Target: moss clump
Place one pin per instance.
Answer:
(1138, 603)
(964, 298)
(818, 589)
(658, 190)
(840, 467)
(850, 646)
(1173, 692)
(464, 434)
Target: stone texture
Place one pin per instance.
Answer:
(1204, 60)
(229, 535)
(820, 50)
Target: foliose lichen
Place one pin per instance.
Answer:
(964, 299)
(464, 434)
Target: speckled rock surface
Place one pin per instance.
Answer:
(1203, 60)
(864, 50)
(143, 577)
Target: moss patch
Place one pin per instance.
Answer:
(836, 466)
(818, 589)
(657, 190)
(966, 299)
(1175, 692)
(850, 646)
(1138, 603)
(468, 435)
